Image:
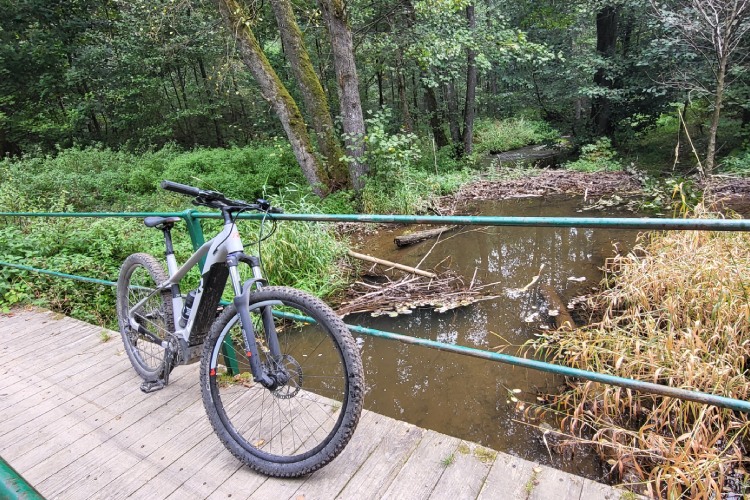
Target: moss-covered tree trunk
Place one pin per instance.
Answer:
(313, 95)
(274, 92)
(347, 81)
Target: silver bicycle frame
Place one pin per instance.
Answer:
(215, 250)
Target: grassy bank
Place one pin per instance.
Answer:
(675, 311)
(303, 255)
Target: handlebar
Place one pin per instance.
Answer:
(180, 188)
(215, 199)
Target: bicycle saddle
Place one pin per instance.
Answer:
(161, 222)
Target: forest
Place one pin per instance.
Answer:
(403, 106)
(427, 77)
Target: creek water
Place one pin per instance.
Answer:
(468, 397)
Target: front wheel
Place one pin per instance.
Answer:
(305, 422)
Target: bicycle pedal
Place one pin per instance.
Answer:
(148, 387)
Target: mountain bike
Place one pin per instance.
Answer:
(281, 376)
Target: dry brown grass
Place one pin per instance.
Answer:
(675, 312)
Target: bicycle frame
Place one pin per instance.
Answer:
(223, 254)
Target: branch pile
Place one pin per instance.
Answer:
(404, 295)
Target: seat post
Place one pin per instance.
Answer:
(167, 230)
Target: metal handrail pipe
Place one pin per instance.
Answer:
(646, 223)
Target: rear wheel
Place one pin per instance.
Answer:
(140, 275)
(306, 421)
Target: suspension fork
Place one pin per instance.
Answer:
(241, 303)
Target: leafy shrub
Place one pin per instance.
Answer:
(738, 164)
(444, 160)
(596, 157)
(101, 179)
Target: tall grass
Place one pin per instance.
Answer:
(675, 312)
(496, 136)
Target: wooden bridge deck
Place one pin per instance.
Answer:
(74, 423)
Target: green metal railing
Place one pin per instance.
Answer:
(192, 218)
(13, 486)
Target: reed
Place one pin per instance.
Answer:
(674, 311)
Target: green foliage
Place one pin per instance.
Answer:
(102, 179)
(673, 196)
(443, 160)
(737, 164)
(303, 255)
(596, 157)
(496, 136)
(306, 255)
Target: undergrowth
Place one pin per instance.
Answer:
(496, 136)
(675, 312)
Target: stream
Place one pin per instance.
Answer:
(468, 397)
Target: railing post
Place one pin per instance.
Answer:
(195, 230)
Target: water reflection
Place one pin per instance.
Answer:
(467, 397)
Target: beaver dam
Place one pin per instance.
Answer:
(504, 272)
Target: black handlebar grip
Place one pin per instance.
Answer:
(276, 210)
(180, 188)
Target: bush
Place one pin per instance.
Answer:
(596, 157)
(101, 179)
(738, 164)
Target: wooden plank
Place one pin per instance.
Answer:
(47, 425)
(137, 451)
(215, 471)
(510, 477)
(43, 331)
(553, 483)
(464, 477)
(381, 467)
(176, 478)
(84, 371)
(48, 352)
(79, 476)
(419, 475)
(113, 420)
(37, 366)
(331, 479)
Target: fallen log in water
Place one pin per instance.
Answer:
(394, 265)
(412, 238)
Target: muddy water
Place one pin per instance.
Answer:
(468, 397)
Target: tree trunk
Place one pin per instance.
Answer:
(274, 92)
(718, 99)
(381, 99)
(606, 38)
(211, 103)
(432, 109)
(471, 87)
(452, 98)
(352, 119)
(404, 101)
(313, 95)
